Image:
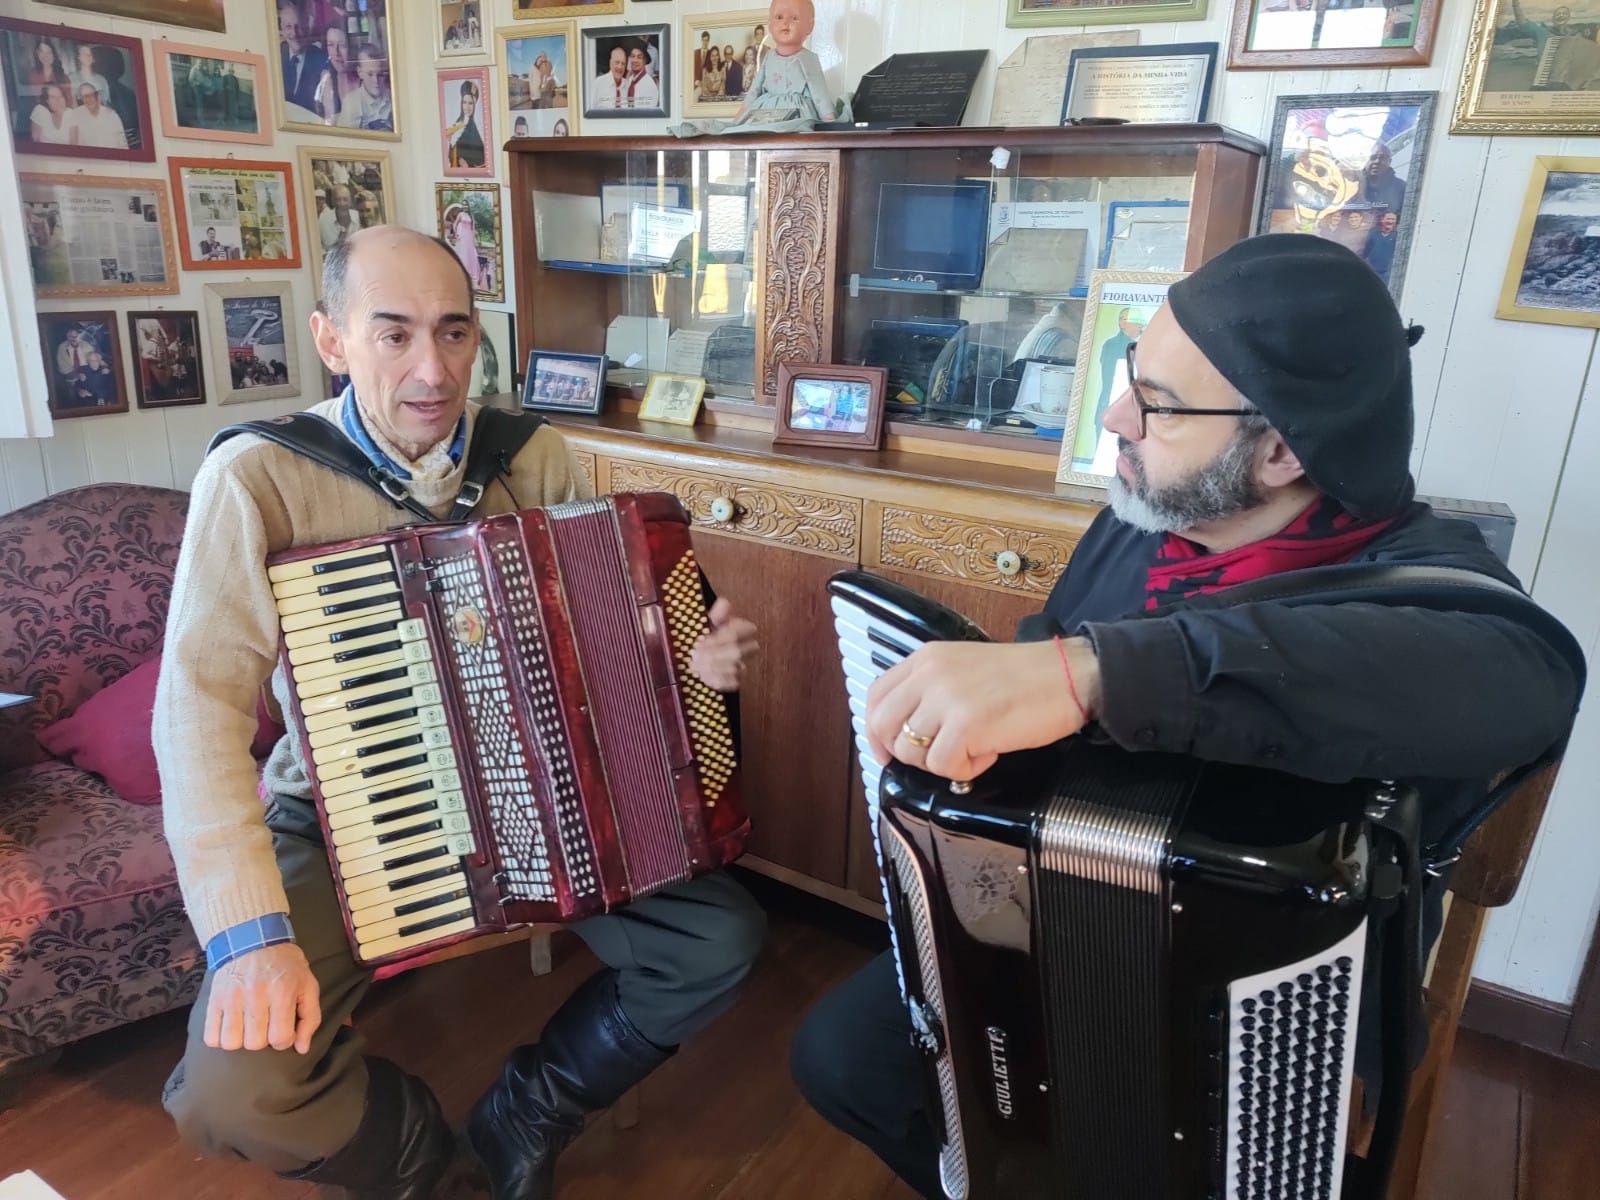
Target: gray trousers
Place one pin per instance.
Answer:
(680, 954)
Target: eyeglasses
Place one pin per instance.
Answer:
(1166, 410)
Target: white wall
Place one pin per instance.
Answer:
(1501, 412)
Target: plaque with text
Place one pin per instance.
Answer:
(919, 89)
(1141, 84)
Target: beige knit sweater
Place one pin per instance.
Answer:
(253, 498)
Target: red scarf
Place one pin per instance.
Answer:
(1322, 535)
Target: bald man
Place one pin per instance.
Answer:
(272, 1072)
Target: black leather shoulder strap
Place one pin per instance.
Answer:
(498, 436)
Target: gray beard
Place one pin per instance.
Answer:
(1222, 488)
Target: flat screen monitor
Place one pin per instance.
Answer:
(937, 231)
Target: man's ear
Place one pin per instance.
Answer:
(1278, 466)
(329, 342)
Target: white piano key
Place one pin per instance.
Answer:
(365, 825)
(380, 910)
(429, 721)
(443, 824)
(317, 603)
(354, 799)
(402, 926)
(322, 645)
(360, 814)
(340, 559)
(309, 584)
(379, 947)
(302, 629)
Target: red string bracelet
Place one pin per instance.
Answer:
(1072, 686)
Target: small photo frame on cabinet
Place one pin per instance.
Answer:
(167, 367)
(1274, 34)
(674, 399)
(83, 362)
(558, 381)
(1550, 278)
(824, 404)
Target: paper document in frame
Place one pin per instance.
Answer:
(1045, 262)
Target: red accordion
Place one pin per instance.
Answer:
(499, 721)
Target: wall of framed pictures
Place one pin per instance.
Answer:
(1498, 415)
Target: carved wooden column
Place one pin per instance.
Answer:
(800, 220)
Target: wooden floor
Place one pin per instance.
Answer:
(721, 1120)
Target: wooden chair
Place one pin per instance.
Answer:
(1487, 877)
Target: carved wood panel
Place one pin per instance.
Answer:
(586, 464)
(811, 521)
(800, 216)
(936, 544)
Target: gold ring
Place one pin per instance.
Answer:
(915, 738)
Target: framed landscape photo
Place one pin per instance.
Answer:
(336, 67)
(1554, 274)
(83, 362)
(535, 73)
(167, 371)
(1349, 168)
(1312, 34)
(253, 343)
(822, 404)
(75, 92)
(461, 28)
(212, 95)
(674, 399)
(557, 381)
(191, 14)
(466, 128)
(234, 213)
(1029, 14)
(525, 10)
(1119, 306)
(720, 54)
(344, 190)
(626, 71)
(93, 235)
(469, 221)
(1531, 68)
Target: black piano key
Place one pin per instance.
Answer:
(349, 564)
(419, 856)
(384, 747)
(398, 835)
(433, 923)
(380, 698)
(416, 906)
(351, 606)
(399, 714)
(363, 631)
(350, 585)
(400, 885)
(400, 764)
(356, 681)
(401, 814)
(394, 793)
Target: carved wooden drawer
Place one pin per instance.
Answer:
(1006, 557)
(811, 521)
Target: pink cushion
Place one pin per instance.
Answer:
(109, 735)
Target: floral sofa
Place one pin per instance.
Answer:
(92, 927)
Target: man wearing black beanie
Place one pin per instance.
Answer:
(1267, 428)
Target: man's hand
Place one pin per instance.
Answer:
(966, 703)
(719, 656)
(268, 997)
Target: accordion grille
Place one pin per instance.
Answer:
(709, 731)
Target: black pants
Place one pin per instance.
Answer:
(852, 1058)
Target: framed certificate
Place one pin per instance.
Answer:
(1141, 84)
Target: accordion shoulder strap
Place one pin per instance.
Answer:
(497, 436)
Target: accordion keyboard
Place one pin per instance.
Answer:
(380, 745)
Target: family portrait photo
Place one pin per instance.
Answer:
(539, 88)
(343, 192)
(626, 72)
(75, 92)
(461, 29)
(252, 331)
(466, 128)
(824, 404)
(166, 356)
(1348, 168)
(722, 52)
(335, 63)
(674, 399)
(212, 95)
(564, 382)
(83, 362)
(469, 220)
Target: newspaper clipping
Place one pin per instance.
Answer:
(103, 237)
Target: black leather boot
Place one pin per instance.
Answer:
(587, 1057)
(401, 1150)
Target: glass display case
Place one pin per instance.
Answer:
(958, 260)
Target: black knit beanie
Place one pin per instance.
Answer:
(1310, 336)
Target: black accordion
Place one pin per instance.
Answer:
(1134, 976)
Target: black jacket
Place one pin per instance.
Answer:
(1334, 692)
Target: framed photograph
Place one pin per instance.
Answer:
(674, 399)
(335, 67)
(720, 54)
(1550, 278)
(495, 371)
(211, 95)
(344, 191)
(93, 235)
(233, 213)
(252, 331)
(167, 371)
(571, 383)
(1030, 14)
(820, 404)
(1534, 70)
(1119, 306)
(1349, 168)
(626, 72)
(469, 220)
(462, 28)
(1143, 84)
(75, 92)
(534, 10)
(1145, 235)
(191, 14)
(1305, 33)
(83, 362)
(536, 79)
(466, 129)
